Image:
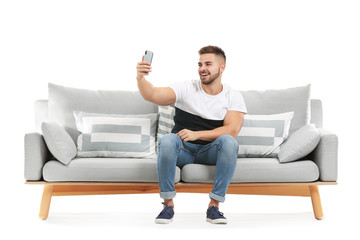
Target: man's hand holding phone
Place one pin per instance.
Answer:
(144, 67)
(157, 95)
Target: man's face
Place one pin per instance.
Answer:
(210, 68)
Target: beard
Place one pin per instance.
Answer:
(212, 78)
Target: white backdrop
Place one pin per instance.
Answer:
(96, 45)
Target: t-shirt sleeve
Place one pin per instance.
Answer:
(179, 89)
(237, 102)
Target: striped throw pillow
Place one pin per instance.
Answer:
(262, 135)
(166, 121)
(113, 135)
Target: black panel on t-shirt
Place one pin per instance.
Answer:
(185, 120)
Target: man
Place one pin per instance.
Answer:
(208, 117)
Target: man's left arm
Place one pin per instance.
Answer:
(233, 122)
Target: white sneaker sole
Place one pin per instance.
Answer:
(217, 221)
(163, 221)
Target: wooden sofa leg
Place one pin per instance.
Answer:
(316, 202)
(45, 202)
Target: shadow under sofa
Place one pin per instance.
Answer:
(93, 176)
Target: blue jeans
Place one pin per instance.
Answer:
(172, 152)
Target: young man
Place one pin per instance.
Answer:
(208, 117)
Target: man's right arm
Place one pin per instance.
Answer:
(158, 95)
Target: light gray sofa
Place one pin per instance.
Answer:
(100, 175)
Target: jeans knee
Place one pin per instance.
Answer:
(229, 143)
(169, 143)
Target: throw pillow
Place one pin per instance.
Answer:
(300, 144)
(112, 135)
(59, 142)
(261, 135)
(166, 121)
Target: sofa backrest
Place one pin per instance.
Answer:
(64, 100)
(41, 113)
(275, 101)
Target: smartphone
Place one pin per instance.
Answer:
(148, 56)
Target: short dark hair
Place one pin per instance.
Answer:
(213, 49)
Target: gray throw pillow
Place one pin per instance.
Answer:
(300, 144)
(59, 142)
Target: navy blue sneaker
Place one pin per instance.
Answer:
(214, 216)
(166, 215)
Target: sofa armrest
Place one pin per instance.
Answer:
(325, 155)
(36, 155)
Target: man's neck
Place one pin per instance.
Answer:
(213, 89)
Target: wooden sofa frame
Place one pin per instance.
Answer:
(309, 189)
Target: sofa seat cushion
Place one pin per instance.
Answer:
(104, 170)
(256, 170)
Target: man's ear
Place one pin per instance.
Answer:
(222, 67)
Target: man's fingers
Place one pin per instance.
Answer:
(143, 68)
(183, 134)
(144, 64)
(180, 134)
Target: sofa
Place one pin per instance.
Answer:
(283, 148)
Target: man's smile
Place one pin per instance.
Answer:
(204, 74)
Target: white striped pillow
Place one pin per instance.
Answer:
(166, 121)
(262, 135)
(113, 135)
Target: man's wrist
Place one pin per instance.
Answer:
(139, 79)
(199, 135)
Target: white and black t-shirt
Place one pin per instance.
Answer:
(197, 111)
